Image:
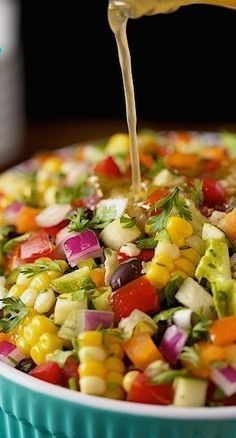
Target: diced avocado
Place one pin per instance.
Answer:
(66, 303)
(210, 231)
(115, 234)
(196, 298)
(214, 266)
(74, 281)
(11, 278)
(189, 392)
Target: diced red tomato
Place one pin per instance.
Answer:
(49, 372)
(38, 245)
(13, 259)
(213, 192)
(108, 168)
(142, 391)
(146, 255)
(70, 369)
(137, 294)
(157, 195)
(52, 231)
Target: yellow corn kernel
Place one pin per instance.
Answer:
(118, 144)
(48, 343)
(92, 353)
(92, 385)
(179, 273)
(157, 275)
(23, 280)
(90, 338)
(52, 164)
(113, 336)
(143, 327)
(39, 324)
(29, 296)
(93, 368)
(185, 266)
(129, 379)
(177, 238)
(179, 225)
(164, 260)
(23, 345)
(54, 274)
(50, 196)
(115, 364)
(45, 301)
(115, 350)
(192, 255)
(114, 378)
(16, 290)
(115, 393)
(40, 282)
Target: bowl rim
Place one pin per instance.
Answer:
(116, 406)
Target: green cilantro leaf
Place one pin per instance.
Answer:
(171, 289)
(200, 330)
(14, 311)
(148, 243)
(102, 217)
(78, 220)
(172, 202)
(66, 195)
(32, 269)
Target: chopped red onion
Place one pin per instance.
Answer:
(81, 246)
(225, 378)
(172, 343)
(53, 215)
(12, 211)
(92, 319)
(10, 354)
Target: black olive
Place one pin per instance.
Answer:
(26, 365)
(125, 273)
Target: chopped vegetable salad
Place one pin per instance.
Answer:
(129, 296)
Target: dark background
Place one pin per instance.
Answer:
(183, 63)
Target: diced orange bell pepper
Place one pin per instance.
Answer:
(5, 337)
(214, 153)
(223, 331)
(180, 161)
(142, 351)
(25, 220)
(98, 277)
(146, 160)
(228, 224)
(210, 353)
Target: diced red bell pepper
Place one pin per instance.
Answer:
(146, 255)
(108, 168)
(137, 294)
(157, 195)
(70, 369)
(49, 372)
(142, 391)
(38, 245)
(213, 193)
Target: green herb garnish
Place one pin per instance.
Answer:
(191, 355)
(32, 269)
(200, 330)
(127, 222)
(173, 202)
(171, 289)
(66, 195)
(102, 217)
(148, 243)
(14, 311)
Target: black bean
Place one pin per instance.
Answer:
(125, 273)
(26, 365)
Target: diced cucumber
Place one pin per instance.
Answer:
(115, 234)
(66, 303)
(210, 231)
(74, 281)
(214, 266)
(165, 178)
(189, 392)
(195, 297)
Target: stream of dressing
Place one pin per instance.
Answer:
(118, 13)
